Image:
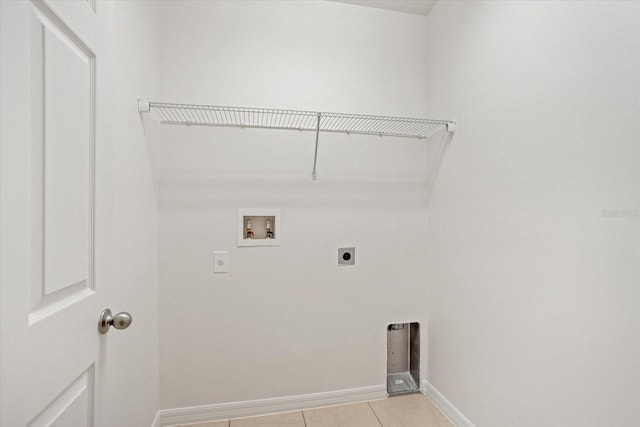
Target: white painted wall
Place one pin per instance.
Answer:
(130, 391)
(287, 321)
(534, 230)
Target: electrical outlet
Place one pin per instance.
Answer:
(346, 256)
(221, 262)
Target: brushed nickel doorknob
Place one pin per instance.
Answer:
(119, 321)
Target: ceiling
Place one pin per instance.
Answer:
(416, 7)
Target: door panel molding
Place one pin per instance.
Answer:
(72, 407)
(63, 165)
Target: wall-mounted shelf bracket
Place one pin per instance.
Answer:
(143, 106)
(451, 127)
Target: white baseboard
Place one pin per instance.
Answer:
(252, 408)
(456, 417)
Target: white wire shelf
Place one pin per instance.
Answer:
(267, 118)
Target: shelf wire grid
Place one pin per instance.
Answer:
(247, 117)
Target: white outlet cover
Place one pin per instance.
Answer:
(221, 262)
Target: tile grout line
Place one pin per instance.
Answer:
(374, 413)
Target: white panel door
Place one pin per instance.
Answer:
(55, 204)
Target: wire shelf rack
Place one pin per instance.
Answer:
(267, 118)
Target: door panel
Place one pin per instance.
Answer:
(62, 165)
(72, 407)
(68, 144)
(55, 251)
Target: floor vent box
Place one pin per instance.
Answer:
(403, 358)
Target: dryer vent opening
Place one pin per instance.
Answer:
(403, 358)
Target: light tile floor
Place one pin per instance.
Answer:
(409, 410)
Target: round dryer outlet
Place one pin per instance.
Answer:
(346, 256)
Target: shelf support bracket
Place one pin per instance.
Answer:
(451, 127)
(143, 106)
(315, 156)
